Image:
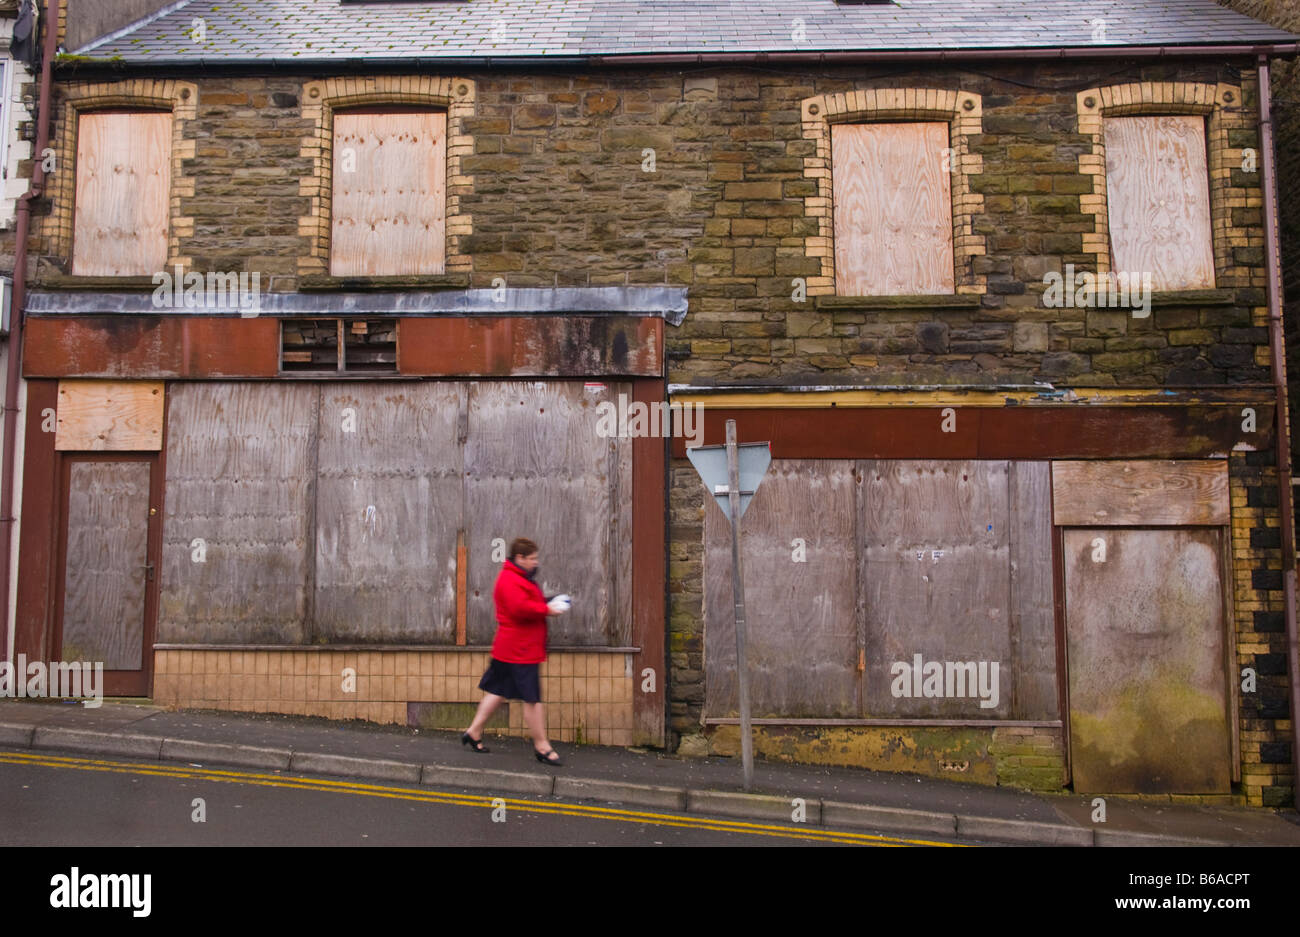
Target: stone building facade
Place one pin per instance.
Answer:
(679, 219)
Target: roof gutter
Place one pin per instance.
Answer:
(1277, 352)
(950, 55)
(624, 60)
(50, 23)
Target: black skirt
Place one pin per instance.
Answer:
(513, 681)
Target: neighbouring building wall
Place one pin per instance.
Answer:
(18, 86)
(1285, 14)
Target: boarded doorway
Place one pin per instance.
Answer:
(1146, 614)
(1148, 692)
(104, 610)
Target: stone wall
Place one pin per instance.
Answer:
(563, 194)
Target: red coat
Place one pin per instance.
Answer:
(521, 618)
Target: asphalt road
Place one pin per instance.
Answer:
(67, 800)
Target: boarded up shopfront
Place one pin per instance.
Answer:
(344, 513)
(368, 521)
(882, 593)
(322, 539)
(946, 560)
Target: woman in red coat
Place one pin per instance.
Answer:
(517, 649)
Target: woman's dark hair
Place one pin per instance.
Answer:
(522, 546)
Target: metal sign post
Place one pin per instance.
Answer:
(745, 466)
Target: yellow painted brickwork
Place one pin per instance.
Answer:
(961, 109)
(320, 100)
(179, 97)
(1247, 600)
(586, 695)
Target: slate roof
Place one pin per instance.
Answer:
(242, 31)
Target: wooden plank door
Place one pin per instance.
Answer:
(1145, 626)
(108, 555)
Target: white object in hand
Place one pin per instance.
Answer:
(560, 604)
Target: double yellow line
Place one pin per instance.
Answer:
(188, 772)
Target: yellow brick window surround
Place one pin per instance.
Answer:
(180, 98)
(961, 110)
(1223, 109)
(321, 99)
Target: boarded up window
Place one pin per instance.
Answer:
(900, 570)
(332, 511)
(237, 525)
(123, 194)
(1158, 199)
(389, 208)
(893, 209)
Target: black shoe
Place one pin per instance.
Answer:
(476, 744)
(546, 756)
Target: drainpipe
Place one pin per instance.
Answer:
(1277, 352)
(50, 23)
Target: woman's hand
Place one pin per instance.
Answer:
(559, 605)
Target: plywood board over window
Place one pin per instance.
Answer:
(1158, 200)
(389, 202)
(893, 209)
(123, 193)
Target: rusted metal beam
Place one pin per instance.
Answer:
(572, 346)
(1059, 432)
(152, 347)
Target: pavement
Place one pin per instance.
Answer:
(833, 797)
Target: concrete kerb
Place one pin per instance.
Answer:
(641, 795)
(370, 768)
(752, 806)
(1023, 831)
(888, 819)
(1126, 838)
(514, 782)
(16, 736)
(98, 743)
(221, 753)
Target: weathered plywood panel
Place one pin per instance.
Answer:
(1140, 492)
(123, 194)
(109, 416)
(240, 476)
(1145, 627)
(388, 509)
(389, 207)
(1158, 199)
(801, 623)
(892, 209)
(104, 581)
(536, 467)
(938, 583)
(1032, 691)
